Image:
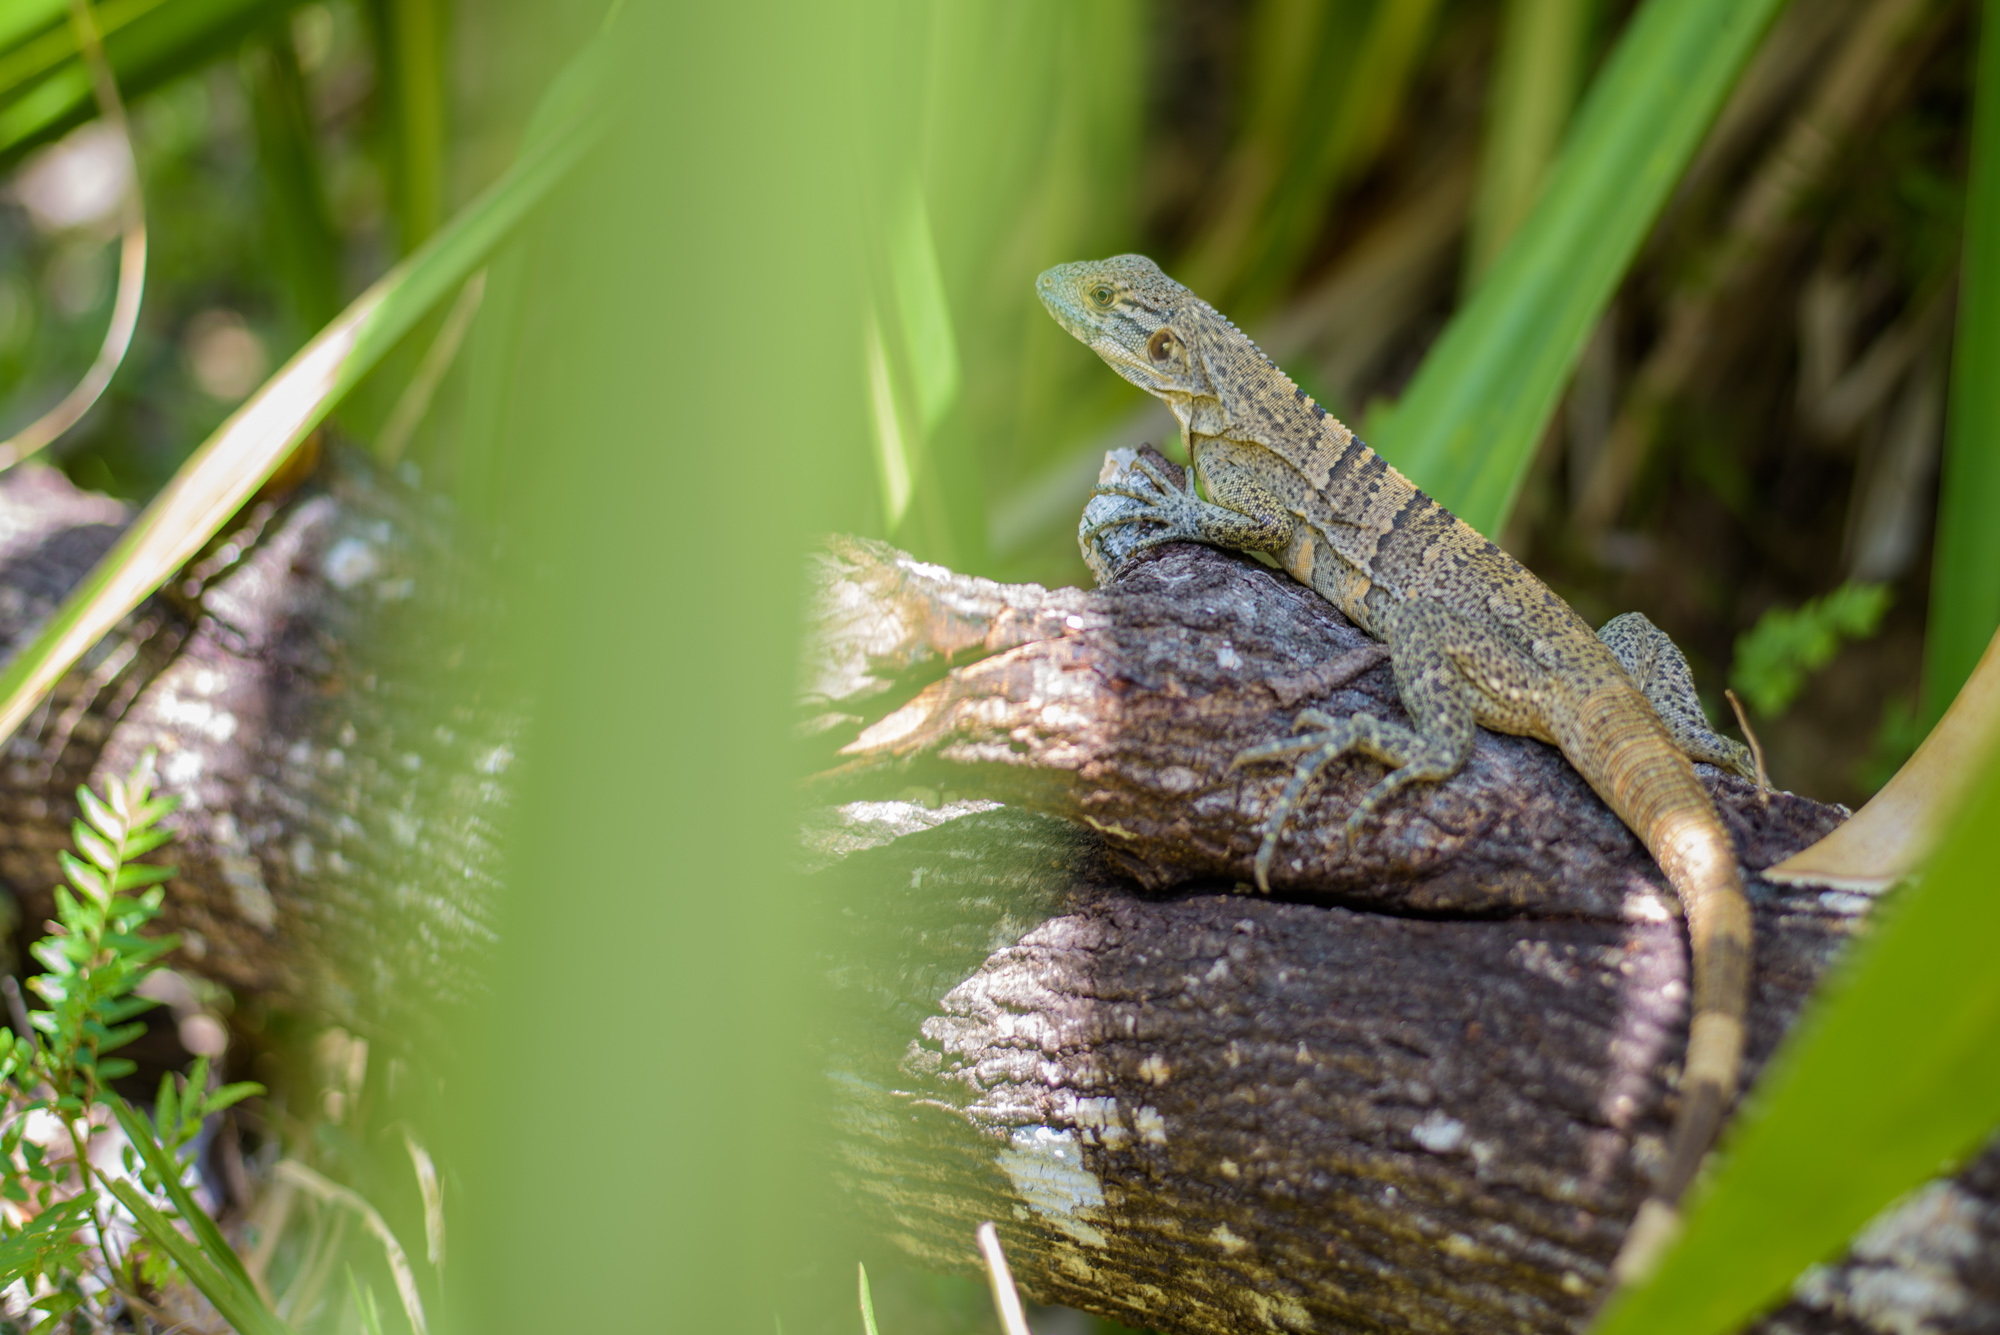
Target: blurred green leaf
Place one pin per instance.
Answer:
(1025, 132)
(1775, 656)
(1467, 428)
(369, 1311)
(1534, 81)
(1891, 1078)
(1324, 85)
(229, 467)
(410, 35)
(45, 90)
(304, 244)
(1366, 97)
(1965, 572)
(44, 1244)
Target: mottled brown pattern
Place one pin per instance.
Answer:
(1475, 638)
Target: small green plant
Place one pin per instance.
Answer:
(1787, 645)
(61, 1234)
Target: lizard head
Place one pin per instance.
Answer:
(1124, 309)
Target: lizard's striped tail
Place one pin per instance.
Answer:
(1617, 743)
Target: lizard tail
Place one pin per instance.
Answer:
(1624, 752)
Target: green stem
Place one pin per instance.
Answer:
(86, 1183)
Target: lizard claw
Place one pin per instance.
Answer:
(1159, 502)
(1321, 742)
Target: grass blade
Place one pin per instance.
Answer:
(45, 89)
(306, 243)
(1892, 1075)
(1965, 572)
(169, 1170)
(231, 464)
(867, 1304)
(1534, 80)
(1467, 428)
(240, 1306)
(291, 1170)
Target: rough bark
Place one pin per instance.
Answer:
(311, 686)
(1203, 1110)
(1418, 1089)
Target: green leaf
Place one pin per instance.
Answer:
(154, 810)
(117, 798)
(50, 953)
(177, 1129)
(44, 89)
(124, 1008)
(229, 1095)
(141, 950)
(143, 841)
(1467, 428)
(1891, 1077)
(364, 1304)
(166, 1108)
(42, 1245)
(867, 1304)
(99, 815)
(83, 876)
(1965, 570)
(116, 1038)
(133, 875)
(232, 463)
(92, 845)
(58, 1305)
(1535, 73)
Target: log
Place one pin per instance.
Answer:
(312, 687)
(1418, 1088)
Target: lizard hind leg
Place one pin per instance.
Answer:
(1660, 671)
(1424, 641)
(1322, 740)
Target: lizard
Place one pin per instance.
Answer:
(1475, 639)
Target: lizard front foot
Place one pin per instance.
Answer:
(1177, 510)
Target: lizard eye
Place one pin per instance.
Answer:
(1102, 294)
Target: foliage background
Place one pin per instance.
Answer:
(1757, 422)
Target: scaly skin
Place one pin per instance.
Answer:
(1475, 639)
